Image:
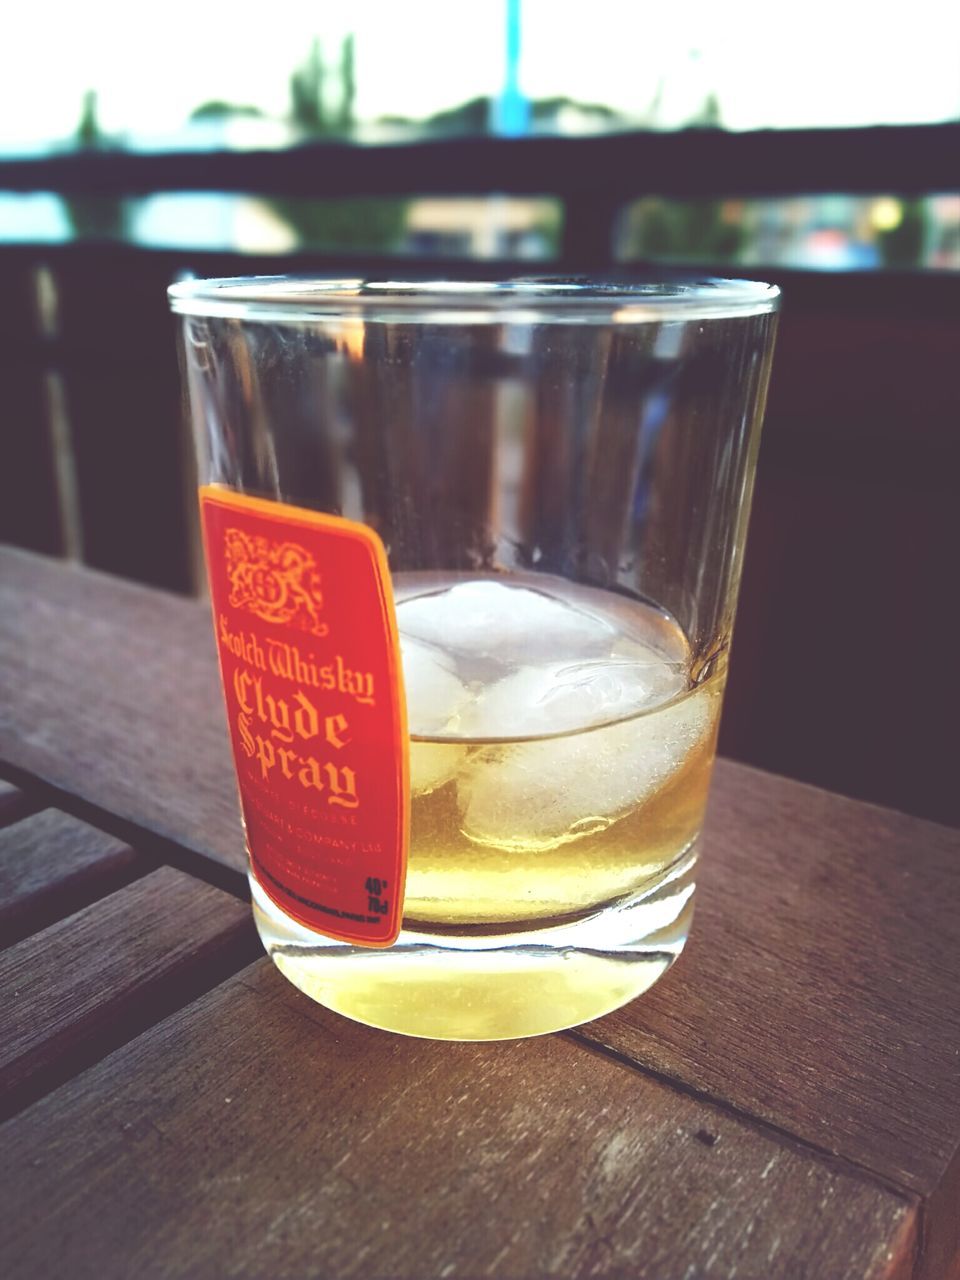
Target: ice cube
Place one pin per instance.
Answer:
(432, 764)
(533, 796)
(435, 695)
(561, 696)
(511, 624)
(435, 698)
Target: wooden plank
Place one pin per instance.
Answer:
(692, 162)
(819, 986)
(91, 981)
(256, 1134)
(783, 859)
(52, 864)
(30, 514)
(875, 430)
(147, 743)
(855, 294)
(111, 693)
(136, 527)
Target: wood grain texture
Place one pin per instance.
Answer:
(90, 981)
(52, 864)
(110, 691)
(819, 987)
(818, 991)
(255, 1134)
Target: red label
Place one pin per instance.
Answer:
(310, 661)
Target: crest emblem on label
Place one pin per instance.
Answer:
(310, 662)
(277, 581)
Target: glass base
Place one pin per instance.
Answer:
(500, 986)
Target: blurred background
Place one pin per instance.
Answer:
(817, 146)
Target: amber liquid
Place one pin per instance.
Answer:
(462, 877)
(561, 750)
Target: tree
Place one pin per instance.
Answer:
(468, 117)
(363, 225)
(93, 217)
(348, 82)
(708, 117)
(310, 91)
(306, 92)
(695, 230)
(88, 132)
(217, 109)
(902, 246)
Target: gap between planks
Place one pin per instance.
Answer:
(160, 849)
(220, 876)
(842, 1164)
(775, 1133)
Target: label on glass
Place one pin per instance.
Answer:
(310, 660)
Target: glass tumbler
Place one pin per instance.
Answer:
(554, 477)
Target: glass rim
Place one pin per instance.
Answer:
(524, 299)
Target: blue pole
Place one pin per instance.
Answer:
(511, 110)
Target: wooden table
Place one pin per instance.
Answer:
(785, 1103)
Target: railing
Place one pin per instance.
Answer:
(843, 636)
(594, 177)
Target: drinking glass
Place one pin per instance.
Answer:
(547, 483)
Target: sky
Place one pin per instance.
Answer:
(822, 62)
